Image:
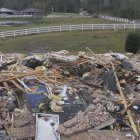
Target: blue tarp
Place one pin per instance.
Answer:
(33, 100)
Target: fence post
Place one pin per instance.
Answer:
(37, 30)
(49, 29)
(134, 26)
(115, 27)
(26, 31)
(3, 35)
(124, 26)
(14, 33)
(82, 27)
(60, 28)
(92, 26)
(70, 28)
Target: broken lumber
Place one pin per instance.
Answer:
(23, 75)
(131, 120)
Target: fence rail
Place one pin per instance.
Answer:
(123, 20)
(81, 27)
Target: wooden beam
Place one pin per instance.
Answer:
(23, 75)
(131, 120)
(18, 86)
(6, 86)
(24, 85)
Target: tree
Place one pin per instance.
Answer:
(129, 13)
(1, 3)
(120, 8)
(72, 6)
(132, 42)
(16, 4)
(92, 6)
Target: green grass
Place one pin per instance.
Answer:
(79, 20)
(100, 41)
(17, 18)
(56, 21)
(64, 14)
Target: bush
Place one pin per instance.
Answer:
(132, 42)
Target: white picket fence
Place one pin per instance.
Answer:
(123, 20)
(81, 27)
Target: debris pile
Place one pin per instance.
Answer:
(94, 116)
(69, 95)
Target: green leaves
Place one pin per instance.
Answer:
(132, 42)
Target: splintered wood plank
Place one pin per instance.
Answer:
(23, 75)
(24, 85)
(130, 117)
(18, 86)
(6, 86)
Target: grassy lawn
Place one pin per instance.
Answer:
(64, 14)
(100, 41)
(79, 20)
(56, 21)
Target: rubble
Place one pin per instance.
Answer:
(72, 94)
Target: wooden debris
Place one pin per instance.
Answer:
(133, 125)
(74, 86)
(105, 124)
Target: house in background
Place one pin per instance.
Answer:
(31, 11)
(7, 11)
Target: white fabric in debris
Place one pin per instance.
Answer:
(64, 55)
(63, 93)
(119, 56)
(44, 130)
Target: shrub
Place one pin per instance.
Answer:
(132, 42)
